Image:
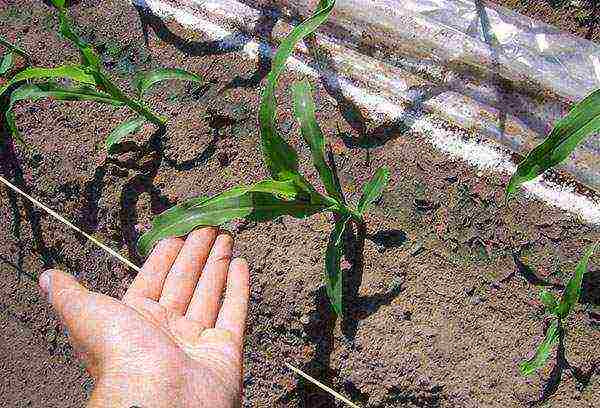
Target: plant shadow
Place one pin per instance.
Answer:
(11, 169)
(321, 326)
(527, 273)
(582, 378)
(142, 182)
(590, 288)
(234, 42)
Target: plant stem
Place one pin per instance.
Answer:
(137, 107)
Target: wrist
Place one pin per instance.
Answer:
(144, 391)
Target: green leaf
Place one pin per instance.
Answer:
(14, 48)
(582, 121)
(73, 72)
(542, 353)
(7, 62)
(124, 129)
(144, 81)
(263, 201)
(573, 290)
(59, 4)
(139, 107)
(34, 92)
(333, 258)
(549, 300)
(304, 110)
(88, 55)
(280, 157)
(373, 189)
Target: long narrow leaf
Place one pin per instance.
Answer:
(93, 63)
(17, 50)
(582, 121)
(144, 81)
(333, 269)
(88, 55)
(263, 201)
(549, 301)
(542, 353)
(34, 92)
(73, 72)
(373, 189)
(304, 110)
(137, 106)
(6, 64)
(121, 131)
(573, 290)
(280, 157)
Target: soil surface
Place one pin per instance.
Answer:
(579, 17)
(441, 298)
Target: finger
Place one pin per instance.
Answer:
(149, 282)
(204, 306)
(80, 311)
(182, 278)
(232, 315)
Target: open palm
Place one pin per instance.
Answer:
(172, 340)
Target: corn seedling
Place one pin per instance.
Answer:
(93, 84)
(560, 311)
(582, 121)
(287, 192)
(8, 58)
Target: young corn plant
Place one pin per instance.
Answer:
(287, 192)
(8, 58)
(560, 310)
(582, 121)
(90, 83)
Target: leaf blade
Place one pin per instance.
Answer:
(137, 106)
(18, 50)
(280, 158)
(304, 110)
(75, 73)
(6, 63)
(542, 353)
(373, 189)
(34, 92)
(262, 201)
(573, 289)
(549, 301)
(86, 50)
(333, 270)
(582, 121)
(126, 128)
(145, 81)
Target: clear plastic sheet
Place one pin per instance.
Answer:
(498, 75)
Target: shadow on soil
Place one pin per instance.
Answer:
(10, 168)
(230, 43)
(320, 329)
(527, 273)
(562, 365)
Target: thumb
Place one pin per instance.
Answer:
(63, 292)
(76, 307)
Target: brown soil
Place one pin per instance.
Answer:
(579, 17)
(440, 310)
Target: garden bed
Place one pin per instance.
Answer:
(443, 306)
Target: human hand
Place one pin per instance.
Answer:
(169, 341)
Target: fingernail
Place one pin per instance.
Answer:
(44, 283)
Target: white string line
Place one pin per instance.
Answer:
(322, 386)
(70, 225)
